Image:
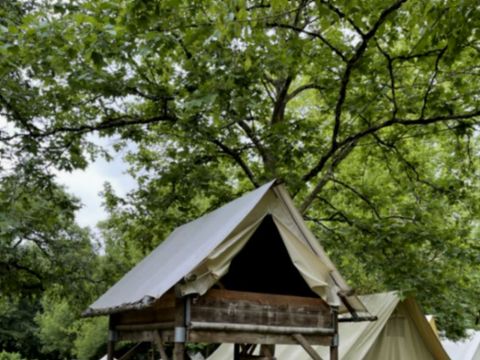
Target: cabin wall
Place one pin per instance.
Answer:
(231, 316)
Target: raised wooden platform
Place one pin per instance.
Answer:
(224, 316)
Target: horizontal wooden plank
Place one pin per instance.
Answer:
(267, 299)
(135, 336)
(247, 314)
(145, 326)
(144, 335)
(225, 306)
(264, 329)
(148, 315)
(161, 310)
(251, 338)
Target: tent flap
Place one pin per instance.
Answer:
(217, 263)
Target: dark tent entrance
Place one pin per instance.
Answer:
(264, 266)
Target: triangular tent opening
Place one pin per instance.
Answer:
(264, 266)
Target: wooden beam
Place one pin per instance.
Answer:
(110, 350)
(151, 326)
(335, 338)
(222, 306)
(159, 342)
(263, 329)
(308, 348)
(267, 351)
(145, 336)
(130, 352)
(232, 337)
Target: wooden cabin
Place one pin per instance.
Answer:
(249, 273)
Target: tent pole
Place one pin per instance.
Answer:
(335, 339)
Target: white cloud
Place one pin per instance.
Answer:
(87, 185)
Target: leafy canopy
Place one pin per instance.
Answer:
(367, 110)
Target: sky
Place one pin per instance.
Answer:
(87, 184)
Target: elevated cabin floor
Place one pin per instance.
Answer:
(225, 315)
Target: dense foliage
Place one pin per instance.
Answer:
(366, 110)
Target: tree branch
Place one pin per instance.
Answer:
(238, 159)
(15, 265)
(417, 56)
(342, 15)
(431, 82)
(392, 79)
(122, 121)
(312, 34)
(267, 158)
(360, 195)
(374, 128)
(336, 160)
(407, 164)
(352, 63)
(348, 143)
(281, 101)
(302, 88)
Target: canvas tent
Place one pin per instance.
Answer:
(401, 332)
(467, 349)
(216, 238)
(256, 244)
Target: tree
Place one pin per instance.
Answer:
(18, 332)
(40, 243)
(367, 110)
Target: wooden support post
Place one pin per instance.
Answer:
(180, 331)
(131, 352)
(160, 347)
(335, 338)
(308, 348)
(111, 339)
(267, 351)
(250, 348)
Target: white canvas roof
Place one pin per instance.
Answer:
(199, 253)
(468, 349)
(401, 332)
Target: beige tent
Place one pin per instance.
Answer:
(198, 254)
(202, 282)
(400, 333)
